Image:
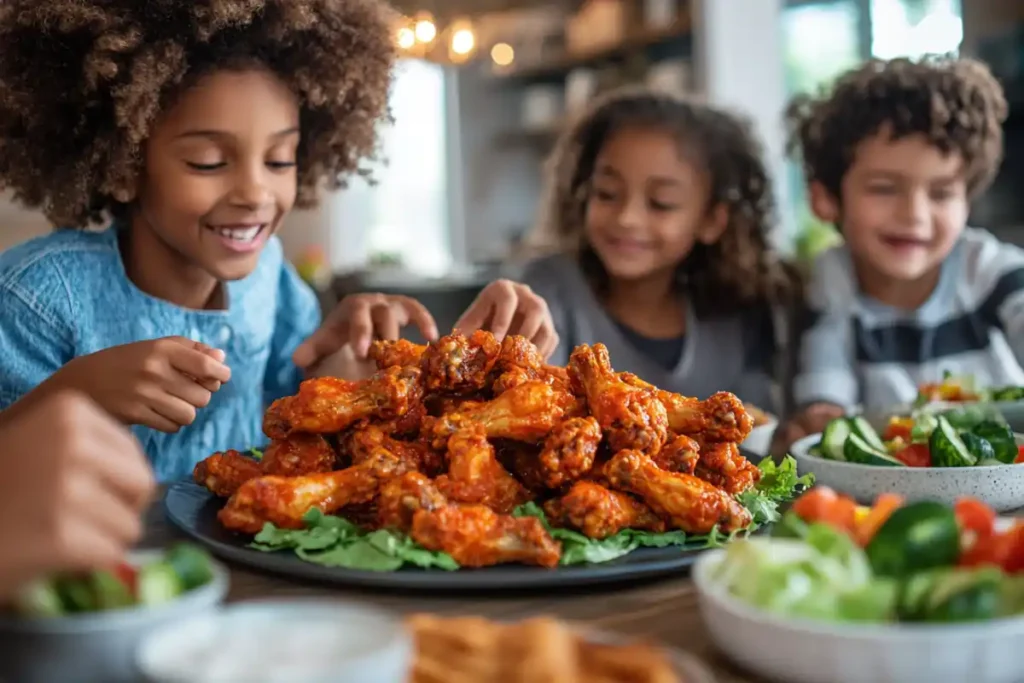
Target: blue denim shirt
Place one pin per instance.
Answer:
(67, 295)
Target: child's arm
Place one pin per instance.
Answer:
(36, 342)
(298, 317)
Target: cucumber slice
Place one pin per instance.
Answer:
(75, 593)
(861, 427)
(990, 462)
(158, 583)
(1001, 438)
(834, 438)
(39, 599)
(916, 537)
(857, 450)
(947, 448)
(192, 565)
(110, 591)
(979, 447)
(965, 595)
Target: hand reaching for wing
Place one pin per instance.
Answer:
(505, 307)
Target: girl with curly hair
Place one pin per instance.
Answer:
(663, 209)
(893, 153)
(186, 132)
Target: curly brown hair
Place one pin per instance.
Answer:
(740, 270)
(82, 82)
(955, 102)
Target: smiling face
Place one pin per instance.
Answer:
(647, 205)
(904, 204)
(219, 177)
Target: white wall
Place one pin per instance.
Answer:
(18, 225)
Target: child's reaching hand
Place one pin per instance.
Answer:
(158, 383)
(505, 308)
(359, 319)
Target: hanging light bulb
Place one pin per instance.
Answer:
(463, 40)
(425, 28)
(502, 54)
(406, 38)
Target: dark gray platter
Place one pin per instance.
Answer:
(193, 509)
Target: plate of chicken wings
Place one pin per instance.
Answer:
(469, 463)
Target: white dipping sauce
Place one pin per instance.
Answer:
(281, 642)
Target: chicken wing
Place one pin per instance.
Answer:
(459, 364)
(368, 440)
(722, 417)
(398, 353)
(527, 413)
(598, 512)
(327, 405)
(401, 497)
(686, 502)
(223, 473)
(569, 451)
(285, 500)
(475, 475)
(724, 466)
(299, 454)
(679, 454)
(477, 536)
(631, 417)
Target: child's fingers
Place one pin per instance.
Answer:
(546, 342)
(199, 365)
(149, 417)
(388, 321)
(419, 316)
(504, 303)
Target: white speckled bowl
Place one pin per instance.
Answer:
(791, 650)
(1001, 486)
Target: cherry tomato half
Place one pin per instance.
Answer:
(974, 515)
(915, 455)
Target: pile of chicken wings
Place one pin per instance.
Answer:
(447, 439)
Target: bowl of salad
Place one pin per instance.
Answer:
(963, 390)
(925, 456)
(898, 591)
(86, 627)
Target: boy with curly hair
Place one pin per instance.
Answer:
(188, 131)
(893, 155)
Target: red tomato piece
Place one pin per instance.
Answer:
(128, 575)
(1013, 562)
(813, 504)
(1020, 455)
(993, 550)
(915, 455)
(898, 428)
(976, 516)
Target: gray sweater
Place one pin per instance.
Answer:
(733, 353)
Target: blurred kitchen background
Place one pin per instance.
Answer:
(484, 87)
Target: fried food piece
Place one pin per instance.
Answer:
(722, 417)
(285, 500)
(631, 417)
(722, 465)
(397, 353)
(598, 512)
(520, 362)
(477, 536)
(367, 440)
(459, 364)
(526, 413)
(299, 454)
(686, 502)
(326, 405)
(401, 497)
(475, 475)
(523, 461)
(275, 426)
(680, 454)
(569, 451)
(223, 473)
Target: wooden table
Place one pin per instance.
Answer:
(665, 611)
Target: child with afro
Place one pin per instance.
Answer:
(894, 153)
(168, 139)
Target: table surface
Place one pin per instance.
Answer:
(665, 611)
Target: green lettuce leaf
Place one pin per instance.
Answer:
(779, 484)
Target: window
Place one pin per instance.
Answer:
(404, 217)
(913, 28)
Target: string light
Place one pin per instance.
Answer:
(463, 41)
(426, 29)
(406, 38)
(502, 54)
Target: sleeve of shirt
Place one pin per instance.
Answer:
(35, 339)
(994, 277)
(298, 316)
(826, 371)
(538, 277)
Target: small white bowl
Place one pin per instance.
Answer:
(95, 647)
(279, 641)
(759, 441)
(1001, 486)
(792, 650)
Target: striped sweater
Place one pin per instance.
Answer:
(857, 351)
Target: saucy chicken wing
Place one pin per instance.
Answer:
(722, 417)
(299, 454)
(401, 497)
(679, 454)
(686, 502)
(475, 475)
(526, 413)
(284, 501)
(368, 440)
(598, 512)
(460, 364)
(631, 417)
(724, 466)
(327, 405)
(397, 353)
(477, 536)
(569, 451)
(223, 473)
